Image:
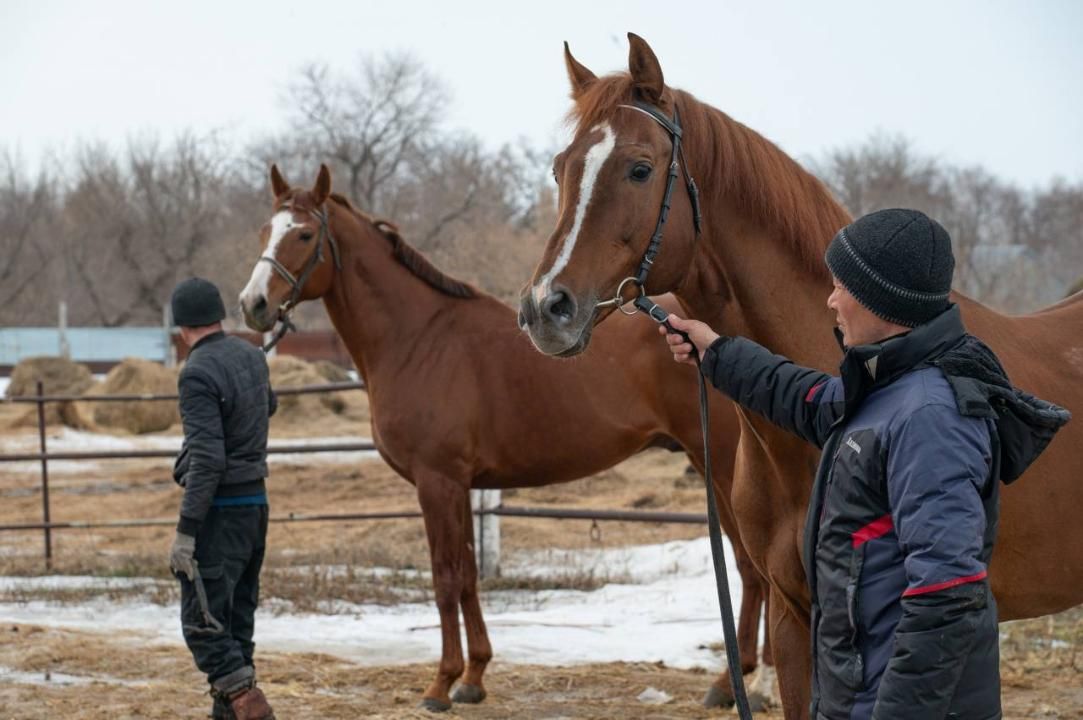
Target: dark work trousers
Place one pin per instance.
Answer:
(229, 549)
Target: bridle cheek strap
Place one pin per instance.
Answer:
(676, 160)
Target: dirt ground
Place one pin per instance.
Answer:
(88, 676)
(159, 682)
(53, 673)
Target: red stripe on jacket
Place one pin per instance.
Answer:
(945, 585)
(877, 528)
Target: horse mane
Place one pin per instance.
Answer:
(733, 161)
(409, 257)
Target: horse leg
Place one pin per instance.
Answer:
(791, 642)
(442, 504)
(720, 694)
(768, 655)
(479, 651)
(763, 685)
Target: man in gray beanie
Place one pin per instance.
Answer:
(918, 430)
(225, 404)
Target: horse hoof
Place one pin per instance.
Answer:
(470, 694)
(718, 697)
(435, 706)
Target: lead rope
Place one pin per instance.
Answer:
(725, 603)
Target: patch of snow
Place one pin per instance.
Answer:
(666, 612)
(69, 440)
(654, 696)
(49, 677)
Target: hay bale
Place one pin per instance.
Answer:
(288, 371)
(60, 376)
(332, 372)
(135, 376)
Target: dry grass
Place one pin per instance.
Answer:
(134, 678)
(1039, 645)
(137, 679)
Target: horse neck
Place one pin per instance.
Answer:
(766, 295)
(750, 276)
(378, 307)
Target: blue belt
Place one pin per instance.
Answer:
(260, 499)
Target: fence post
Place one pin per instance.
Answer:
(486, 532)
(267, 337)
(62, 328)
(44, 478)
(169, 357)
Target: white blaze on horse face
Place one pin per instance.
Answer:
(258, 284)
(592, 165)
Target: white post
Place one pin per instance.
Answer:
(169, 353)
(486, 532)
(267, 337)
(62, 328)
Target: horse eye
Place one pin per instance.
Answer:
(641, 172)
(306, 235)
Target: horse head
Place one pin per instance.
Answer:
(299, 254)
(616, 179)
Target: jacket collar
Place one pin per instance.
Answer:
(207, 340)
(867, 367)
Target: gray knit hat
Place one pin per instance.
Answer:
(897, 263)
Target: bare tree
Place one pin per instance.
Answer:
(132, 230)
(882, 172)
(26, 211)
(369, 124)
(1013, 249)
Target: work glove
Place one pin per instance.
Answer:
(182, 555)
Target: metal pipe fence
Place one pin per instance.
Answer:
(47, 526)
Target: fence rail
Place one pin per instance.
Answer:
(488, 508)
(298, 390)
(135, 454)
(502, 511)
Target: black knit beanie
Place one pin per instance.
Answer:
(196, 302)
(897, 263)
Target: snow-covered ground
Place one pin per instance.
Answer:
(69, 440)
(666, 611)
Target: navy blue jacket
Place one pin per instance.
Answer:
(903, 512)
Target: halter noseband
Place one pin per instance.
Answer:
(673, 127)
(297, 284)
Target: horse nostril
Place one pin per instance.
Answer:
(559, 306)
(260, 305)
(522, 320)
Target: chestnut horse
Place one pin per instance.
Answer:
(757, 270)
(460, 400)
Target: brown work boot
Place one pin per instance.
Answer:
(250, 704)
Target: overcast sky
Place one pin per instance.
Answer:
(998, 84)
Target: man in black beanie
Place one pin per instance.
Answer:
(916, 431)
(225, 404)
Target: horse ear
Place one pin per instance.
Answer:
(322, 188)
(279, 186)
(645, 69)
(578, 74)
